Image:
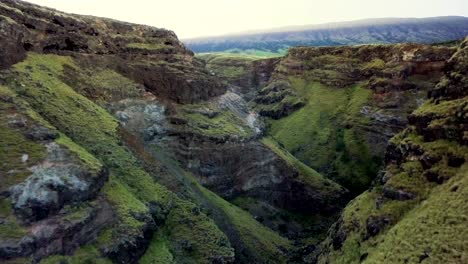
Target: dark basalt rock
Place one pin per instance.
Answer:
(250, 169)
(455, 161)
(40, 133)
(338, 235)
(375, 224)
(396, 194)
(59, 234)
(128, 48)
(11, 36)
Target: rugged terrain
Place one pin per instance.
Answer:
(118, 145)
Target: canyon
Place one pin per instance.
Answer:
(120, 145)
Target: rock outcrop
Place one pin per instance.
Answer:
(404, 217)
(150, 56)
(364, 91)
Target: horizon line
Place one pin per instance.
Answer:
(293, 28)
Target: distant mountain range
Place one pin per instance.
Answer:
(385, 30)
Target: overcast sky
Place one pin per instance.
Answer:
(193, 18)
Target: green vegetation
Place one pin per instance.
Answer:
(194, 237)
(7, 19)
(158, 252)
(435, 231)
(326, 130)
(102, 85)
(254, 241)
(10, 227)
(209, 120)
(441, 109)
(130, 188)
(127, 206)
(257, 238)
(306, 174)
(14, 145)
(89, 160)
(88, 254)
(375, 64)
(429, 224)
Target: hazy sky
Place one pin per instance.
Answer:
(192, 18)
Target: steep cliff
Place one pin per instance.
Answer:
(416, 211)
(119, 146)
(337, 109)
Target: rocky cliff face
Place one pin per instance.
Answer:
(336, 108)
(118, 145)
(145, 54)
(340, 107)
(416, 211)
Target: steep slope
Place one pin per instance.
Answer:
(417, 211)
(335, 108)
(368, 31)
(121, 147)
(138, 204)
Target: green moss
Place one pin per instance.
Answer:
(249, 235)
(103, 85)
(194, 237)
(13, 145)
(306, 174)
(444, 108)
(84, 255)
(223, 123)
(257, 238)
(89, 160)
(126, 204)
(7, 19)
(317, 135)
(158, 252)
(260, 243)
(355, 217)
(10, 227)
(418, 228)
(130, 188)
(375, 64)
(11, 9)
(435, 231)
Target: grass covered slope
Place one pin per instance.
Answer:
(435, 232)
(146, 212)
(335, 108)
(417, 211)
(30, 148)
(137, 199)
(306, 174)
(321, 132)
